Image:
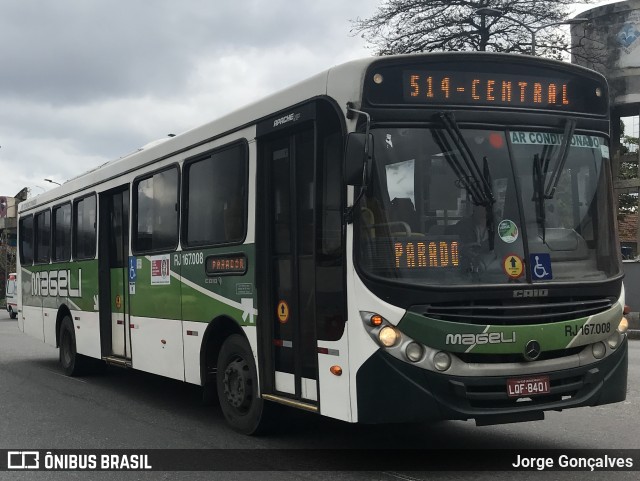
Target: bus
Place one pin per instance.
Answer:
(396, 239)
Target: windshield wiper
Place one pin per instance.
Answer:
(541, 169)
(560, 159)
(475, 182)
(540, 164)
(464, 180)
(471, 177)
(486, 175)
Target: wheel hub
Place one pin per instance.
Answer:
(237, 384)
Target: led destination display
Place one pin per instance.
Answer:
(486, 89)
(429, 254)
(485, 84)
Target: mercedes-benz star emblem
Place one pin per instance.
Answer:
(532, 350)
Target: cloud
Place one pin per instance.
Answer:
(87, 81)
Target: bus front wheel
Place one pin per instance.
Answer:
(237, 386)
(73, 364)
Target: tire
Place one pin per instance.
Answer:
(73, 364)
(12, 314)
(237, 386)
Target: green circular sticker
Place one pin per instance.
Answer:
(508, 231)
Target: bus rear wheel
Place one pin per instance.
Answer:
(73, 364)
(12, 314)
(237, 386)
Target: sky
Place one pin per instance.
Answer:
(87, 81)
(83, 82)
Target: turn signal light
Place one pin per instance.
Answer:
(376, 320)
(336, 370)
(623, 326)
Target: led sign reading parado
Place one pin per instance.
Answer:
(469, 88)
(233, 264)
(420, 255)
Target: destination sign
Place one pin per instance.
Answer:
(424, 86)
(470, 81)
(426, 255)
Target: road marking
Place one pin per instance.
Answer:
(65, 376)
(401, 476)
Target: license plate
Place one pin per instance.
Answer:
(529, 386)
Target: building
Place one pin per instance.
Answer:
(609, 41)
(8, 236)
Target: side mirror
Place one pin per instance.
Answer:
(358, 158)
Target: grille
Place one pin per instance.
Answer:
(511, 358)
(515, 311)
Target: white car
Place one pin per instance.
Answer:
(12, 295)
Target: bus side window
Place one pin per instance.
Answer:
(61, 233)
(233, 219)
(43, 236)
(84, 228)
(26, 240)
(156, 211)
(216, 197)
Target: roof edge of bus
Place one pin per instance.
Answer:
(516, 57)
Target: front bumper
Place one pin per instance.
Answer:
(390, 390)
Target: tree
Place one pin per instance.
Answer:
(411, 26)
(628, 169)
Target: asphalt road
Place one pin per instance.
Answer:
(40, 408)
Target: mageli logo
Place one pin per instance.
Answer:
(481, 338)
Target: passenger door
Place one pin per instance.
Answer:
(114, 274)
(288, 328)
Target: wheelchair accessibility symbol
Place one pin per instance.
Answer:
(132, 269)
(540, 266)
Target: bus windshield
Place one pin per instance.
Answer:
(488, 207)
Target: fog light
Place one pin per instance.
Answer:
(599, 350)
(614, 340)
(414, 351)
(442, 361)
(388, 336)
(623, 326)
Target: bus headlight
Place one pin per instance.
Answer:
(413, 351)
(599, 350)
(442, 361)
(614, 340)
(388, 336)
